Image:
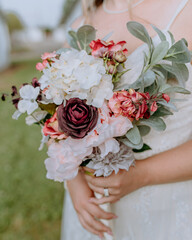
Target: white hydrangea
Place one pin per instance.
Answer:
(77, 74)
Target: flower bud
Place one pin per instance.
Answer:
(119, 56)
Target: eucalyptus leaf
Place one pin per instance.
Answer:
(73, 41)
(168, 105)
(161, 112)
(180, 71)
(154, 122)
(160, 33)
(172, 37)
(144, 130)
(139, 31)
(143, 149)
(134, 135)
(85, 35)
(175, 89)
(159, 52)
(179, 53)
(145, 80)
(130, 144)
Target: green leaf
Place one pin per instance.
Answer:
(118, 75)
(73, 41)
(143, 149)
(134, 135)
(172, 37)
(160, 33)
(145, 80)
(85, 35)
(175, 89)
(50, 108)
(144, 130)
(159, 52)
(139, 31)
(180, 71)
(161, 112)
(154, 122)
(179, 53)
(168, 105)
(130, 144)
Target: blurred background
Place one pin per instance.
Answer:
(30, 204)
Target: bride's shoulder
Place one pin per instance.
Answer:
(183, 26)
(78, 22)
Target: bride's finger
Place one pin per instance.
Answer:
(96, 189)
(98, 181)
(88, 228)
(101, 214)
(110, 199)
(95, 224)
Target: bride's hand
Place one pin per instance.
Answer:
(88, 212)
(119, 184)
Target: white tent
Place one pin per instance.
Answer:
(4, 44)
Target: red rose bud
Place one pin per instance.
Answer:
(77, 118)
(119, 56)
(166, 97)
(154, 107)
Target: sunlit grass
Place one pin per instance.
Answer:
(30, 205)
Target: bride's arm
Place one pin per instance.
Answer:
(171, 166)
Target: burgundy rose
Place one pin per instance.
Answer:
(77, 118)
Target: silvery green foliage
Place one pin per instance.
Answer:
(81, 38)
(176, 56)
(161, 62)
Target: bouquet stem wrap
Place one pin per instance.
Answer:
(109, 223)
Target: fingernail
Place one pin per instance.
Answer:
(110, 233)
(115, 217)
(90, 200)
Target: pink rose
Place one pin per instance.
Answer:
(51, 128)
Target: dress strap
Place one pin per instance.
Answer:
(179, 9)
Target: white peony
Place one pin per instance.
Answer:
(77, 74)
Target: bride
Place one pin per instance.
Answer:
(153, 200)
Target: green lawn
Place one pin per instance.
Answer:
(30, 204)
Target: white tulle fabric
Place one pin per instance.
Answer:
(155, 212)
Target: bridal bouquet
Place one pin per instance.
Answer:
(85, 118)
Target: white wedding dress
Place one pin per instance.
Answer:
(160, 212)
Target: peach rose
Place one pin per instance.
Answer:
(51, 128)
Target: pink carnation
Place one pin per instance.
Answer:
(132, 104)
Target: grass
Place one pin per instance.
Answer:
(30, 204)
